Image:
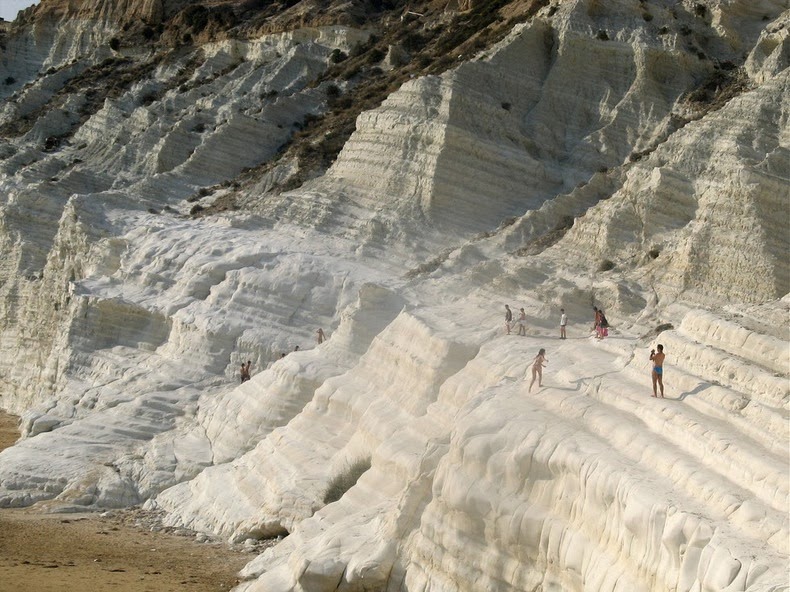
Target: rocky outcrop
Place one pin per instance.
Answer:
(168, 137)
(631, 155)
(705, 175)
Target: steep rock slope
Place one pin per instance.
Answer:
(625, 154)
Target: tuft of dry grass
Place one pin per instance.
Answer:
(345, 480)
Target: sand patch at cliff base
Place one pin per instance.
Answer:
(9, 432)
(120, 550)
(59, 552)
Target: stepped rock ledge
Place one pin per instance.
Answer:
(185, 186)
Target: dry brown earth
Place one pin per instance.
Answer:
(46, 552)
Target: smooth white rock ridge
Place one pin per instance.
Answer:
(495, 131)
(584, 482)
(567, 166)
(153, 310)
(132, 155)
(719, 177)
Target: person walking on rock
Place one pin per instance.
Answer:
(508, 318)
(563, 322)
(537, 368)
(601, 325)
(604, 325)
(522, 323)
(596, 321)
(245, 371)
(657, 357)
(320, 335)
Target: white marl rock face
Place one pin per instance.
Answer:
(513, 178)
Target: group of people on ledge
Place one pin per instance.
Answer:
(601, 328)
(600, 325)
(244, 373)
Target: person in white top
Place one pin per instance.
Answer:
(563, 322)
(522, 323)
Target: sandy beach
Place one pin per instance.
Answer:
(121, 550)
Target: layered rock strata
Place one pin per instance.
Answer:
(629, 155)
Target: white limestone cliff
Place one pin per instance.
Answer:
(571, 164)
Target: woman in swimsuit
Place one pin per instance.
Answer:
(537, 368)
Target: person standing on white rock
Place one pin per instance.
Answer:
(657, 357)
(245, 371)
(537, 368)
(563, 323)
(508, 318)
(522, 323)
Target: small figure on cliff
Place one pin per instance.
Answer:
(604, 325)
(508, 318)
(537, 368)
(245, 371)
(657, 357)
(563, 323)
(522, 323)
(601, 325)
(320, 335)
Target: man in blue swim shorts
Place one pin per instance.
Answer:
(657, 358)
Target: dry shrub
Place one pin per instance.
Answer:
(345, 480)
